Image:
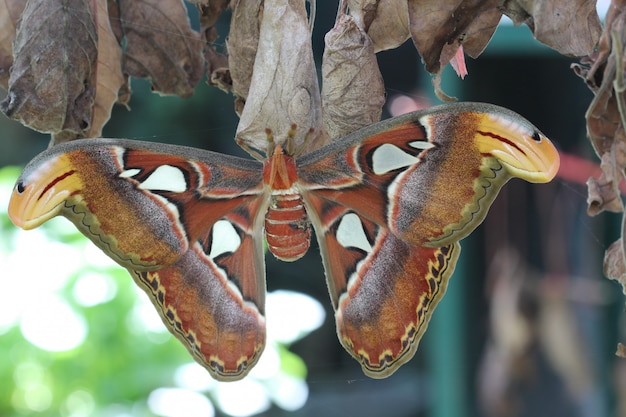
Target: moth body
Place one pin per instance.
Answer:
(287, 225)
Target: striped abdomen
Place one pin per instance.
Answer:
(287, 228)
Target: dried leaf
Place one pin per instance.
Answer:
(353, 91)
(284, 89)
(242, 44)
(217, 63)
(161, 45)
(10, 11)
(385, 21)
(115, 20)
(210, 13)
(362, 11)
(615, 264)
(52, 79)
(109, 77)
(571, 27)
(439, 27)
(603, 193)
(603, 116)
(218, 73)
(605, 119)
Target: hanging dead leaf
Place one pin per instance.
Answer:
(439, 27)
(161, 45)
(603, 116)
(571, 27)
(353, 91)
(615, 264)
(10, 11)
(217, 63)
(603, 193)
(52, 80)
(362, 11)
(284, 89)
(108, 71)
(605, 119)
(242, 44)
(385, 21)
(115, 20)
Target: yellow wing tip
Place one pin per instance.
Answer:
(40, 193)
(519, 146)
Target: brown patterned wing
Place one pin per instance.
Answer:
(431, 176)
(384, 289)
(186, 223)
(212, 299)
(141, 203)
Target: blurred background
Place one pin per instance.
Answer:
(528, 327)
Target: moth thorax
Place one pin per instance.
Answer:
(287, 228)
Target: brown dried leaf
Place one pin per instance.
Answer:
(571, 27)
(353, 91)
(615, 263)
(362, 11)
(109, 77)
(603, 116)
(10, 11)
(218, 73)
(603, 193)
(605, 120)
(439, 27)
(52, 78)
(217, 63)
(115, 20)
(284, 89)
(385, 21)
(209, 15)
(161, 45)
(242, 44)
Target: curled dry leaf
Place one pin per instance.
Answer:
(242, 45)
(109, 77)
(385, 21)
(571, 27)
(115, 20)
(603, 193)
(605, 119)
(284, 89)
(161, 45)
(353, 91)
(362, 11)
(217, 63)
(439, 27)
(603, 116)
(615, 263)
(10, 11)
(52, 79)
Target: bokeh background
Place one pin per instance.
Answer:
(529, 325)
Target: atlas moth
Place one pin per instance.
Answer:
(388, 204)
